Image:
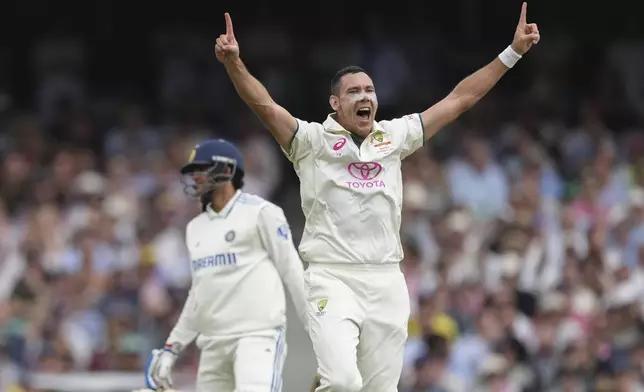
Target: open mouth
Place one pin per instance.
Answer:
(364, 113)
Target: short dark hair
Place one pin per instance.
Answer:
(238, 179)
(337, 78)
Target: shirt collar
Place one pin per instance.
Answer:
(332, 126)
(212, 214)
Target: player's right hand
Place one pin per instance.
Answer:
(158, 371)
(227, 48)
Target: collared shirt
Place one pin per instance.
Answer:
(240, 259)
(352, 194)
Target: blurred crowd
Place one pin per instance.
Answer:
(525, 281)
(523, 224)
(525, 253)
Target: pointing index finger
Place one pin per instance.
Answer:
(524, 11)
(229, 25)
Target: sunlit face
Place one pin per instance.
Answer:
(356, 103)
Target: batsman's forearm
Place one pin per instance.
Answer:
(294, 281)
(474, 87)
(184, 332)
(290, 268)
(248, 87)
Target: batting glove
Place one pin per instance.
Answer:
(158, 370)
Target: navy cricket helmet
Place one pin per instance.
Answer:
(210, 164)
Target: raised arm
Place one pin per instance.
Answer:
(277, 119)
(474, 87)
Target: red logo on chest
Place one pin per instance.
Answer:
(339, 144)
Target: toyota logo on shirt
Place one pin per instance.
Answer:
(364, 170)
(366, 173)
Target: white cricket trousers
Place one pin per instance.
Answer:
(358, 317)
(249, 363)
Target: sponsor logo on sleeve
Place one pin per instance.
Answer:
(283, 231)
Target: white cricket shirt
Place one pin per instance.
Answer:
(352, 195)
(239, 259)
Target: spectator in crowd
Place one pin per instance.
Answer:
(477, 181)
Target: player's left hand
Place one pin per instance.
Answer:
(526, 35)
(158, 371)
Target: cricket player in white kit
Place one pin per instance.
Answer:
(241, 251)
(350, 172)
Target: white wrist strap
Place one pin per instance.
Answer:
(509, 57)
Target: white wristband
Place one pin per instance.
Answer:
(509, 57)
